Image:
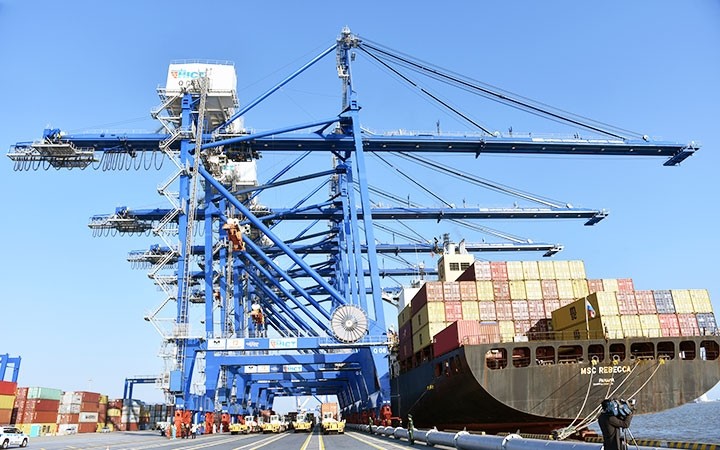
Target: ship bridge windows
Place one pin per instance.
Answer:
(570, 354)
(642, 350)
(521, 357)
(666, 350)
(597, 352)
(618, 352)
(687, 350)
(545, 354)
(496, 358)
(709, 350)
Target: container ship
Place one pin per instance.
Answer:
(535, 346)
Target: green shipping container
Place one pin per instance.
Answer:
(44, 393)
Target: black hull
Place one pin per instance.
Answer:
(458, 391)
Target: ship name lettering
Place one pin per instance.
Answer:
(604, 370)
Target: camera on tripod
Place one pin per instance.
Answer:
(620, 408)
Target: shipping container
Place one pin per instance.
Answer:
(507, 330)
(478, 271)
(688, 324)
(631, 325)
(453, 336)
(626, 303)
(515, 270)
(610, 284)
(453, 311)
(533, 288)
(501, 290)
(451, 291)
(485, 290)
(536, 310)
(577, 270)
(431, 291)
(664, 302)
(700, 299)
(6, 416)
(517, 290)
(549, 289)
(498, 270)
(706, 323)
(625, 285)
(503, 310)
(520, 310)
(669, 325)
(531, 270)
(8, 388)
(44, 393)
(550, 306)
(7, 401)
(645, 302)
(682, 301)
(650, 324)
(430, 312)
(468, 291)
(565, 289)
(405, 315)
(594, 285)
(580, 287)
(606, 301)
(424, 336)
(470, 311)
(547, 270)
(522, 327)
(487, 311)
(562, 270)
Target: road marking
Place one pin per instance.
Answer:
(321, 444)
(385, 443)
(262, 442)
(307, 441)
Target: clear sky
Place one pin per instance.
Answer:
(72, 306)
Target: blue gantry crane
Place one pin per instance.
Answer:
(268, 301)
(7, 362)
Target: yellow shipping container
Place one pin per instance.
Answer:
(577, 269)
(562, 270)
(610, 284)
(517, 290)
(470, 311)
(613, 326)
(572, 314)
(515, 270)
(682, 300)
(531, 270)
(597, 328)
(580, 287)
(432, 312)
(631, 325)
(606, 302)
(547, 270)
(485, 290)
(701, 301)
(7, 401)
(565, 289)
(114, 412)
(424, 336)
(405, 315)
(507, 330)
(650, 324)
(533, 288)
(43, 428)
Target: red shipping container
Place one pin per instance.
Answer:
(482, 271)
(451, 291)
(405, 332)
(550, 306)
(453, 336)
(489, 334)
(669, 325)
(520, 310)
(89, 397)
(536, 309)
(68, 418)
(595, 286)
(688, 325)
(42, 405)
(22, 393)
(645, 302)
(522, 327)
(6, 416)
(116, 403)
(503, 310)
(89, 427)
(405, 350)
(468, 291)
(501, 290)
(453, 311)
(8, 388)
(625, 285)
(498, 270)
(89, 406)
(487, 310)
(626, 303)
(549, 289)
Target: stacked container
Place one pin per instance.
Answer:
(37, 410)
(79, 412)
(8, 391)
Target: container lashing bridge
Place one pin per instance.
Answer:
(291, 299)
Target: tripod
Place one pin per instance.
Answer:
(625, 432)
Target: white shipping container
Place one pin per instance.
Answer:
(91, 417)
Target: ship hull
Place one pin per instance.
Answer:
(466, 389)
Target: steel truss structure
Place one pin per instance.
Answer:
(301, 313)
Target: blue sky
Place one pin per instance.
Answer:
(73, 307)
